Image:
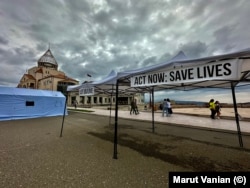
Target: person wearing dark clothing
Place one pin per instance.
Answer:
(133, 107)
(212, 108)
(169, 107)
(217, 109)
(75, 103)
(136, 107)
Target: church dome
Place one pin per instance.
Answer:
(47, 60)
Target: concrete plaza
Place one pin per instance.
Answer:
(191, 117)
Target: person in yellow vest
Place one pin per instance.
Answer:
(212, 108)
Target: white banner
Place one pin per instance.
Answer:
(221, 70)
(86, 91)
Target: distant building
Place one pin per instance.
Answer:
(46, 76)
(103, 99)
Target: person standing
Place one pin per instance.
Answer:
(164, 108)
(212, 108)
(136, 107)
(132, 108)
(169, 107)
(75, 103)
(217, 109)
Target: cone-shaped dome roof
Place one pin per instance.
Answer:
(47, 59)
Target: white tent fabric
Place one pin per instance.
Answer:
(21, 103)
(105, 86)
(239, 60)
(239, 66)
(221, 71)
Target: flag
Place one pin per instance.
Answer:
(88, 75)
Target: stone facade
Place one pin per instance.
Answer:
(46, 75)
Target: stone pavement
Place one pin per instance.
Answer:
(201, 122)
(32, 154)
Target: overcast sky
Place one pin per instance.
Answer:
(97, 36)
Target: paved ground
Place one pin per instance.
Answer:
(32, 154)
(191, 117)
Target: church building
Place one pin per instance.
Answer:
(46, 75)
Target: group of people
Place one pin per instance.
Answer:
(215, 109)
(166, 107)
(133, 107)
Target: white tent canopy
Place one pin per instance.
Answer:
(221, 71)
(108, 80)
(104, 86)
(179, 73)
(107, 84)
(186, 74)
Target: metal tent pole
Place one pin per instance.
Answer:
(111, 104)
(65, 106)
(153, 114)
(116, 121)
(236, 114)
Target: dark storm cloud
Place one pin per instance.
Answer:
(223, 36)
(17, 56)
(15, 62)
(3, 40)
(197, 8)
(193, 49)
(95, 37)
(165, 57)
(149, 61)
